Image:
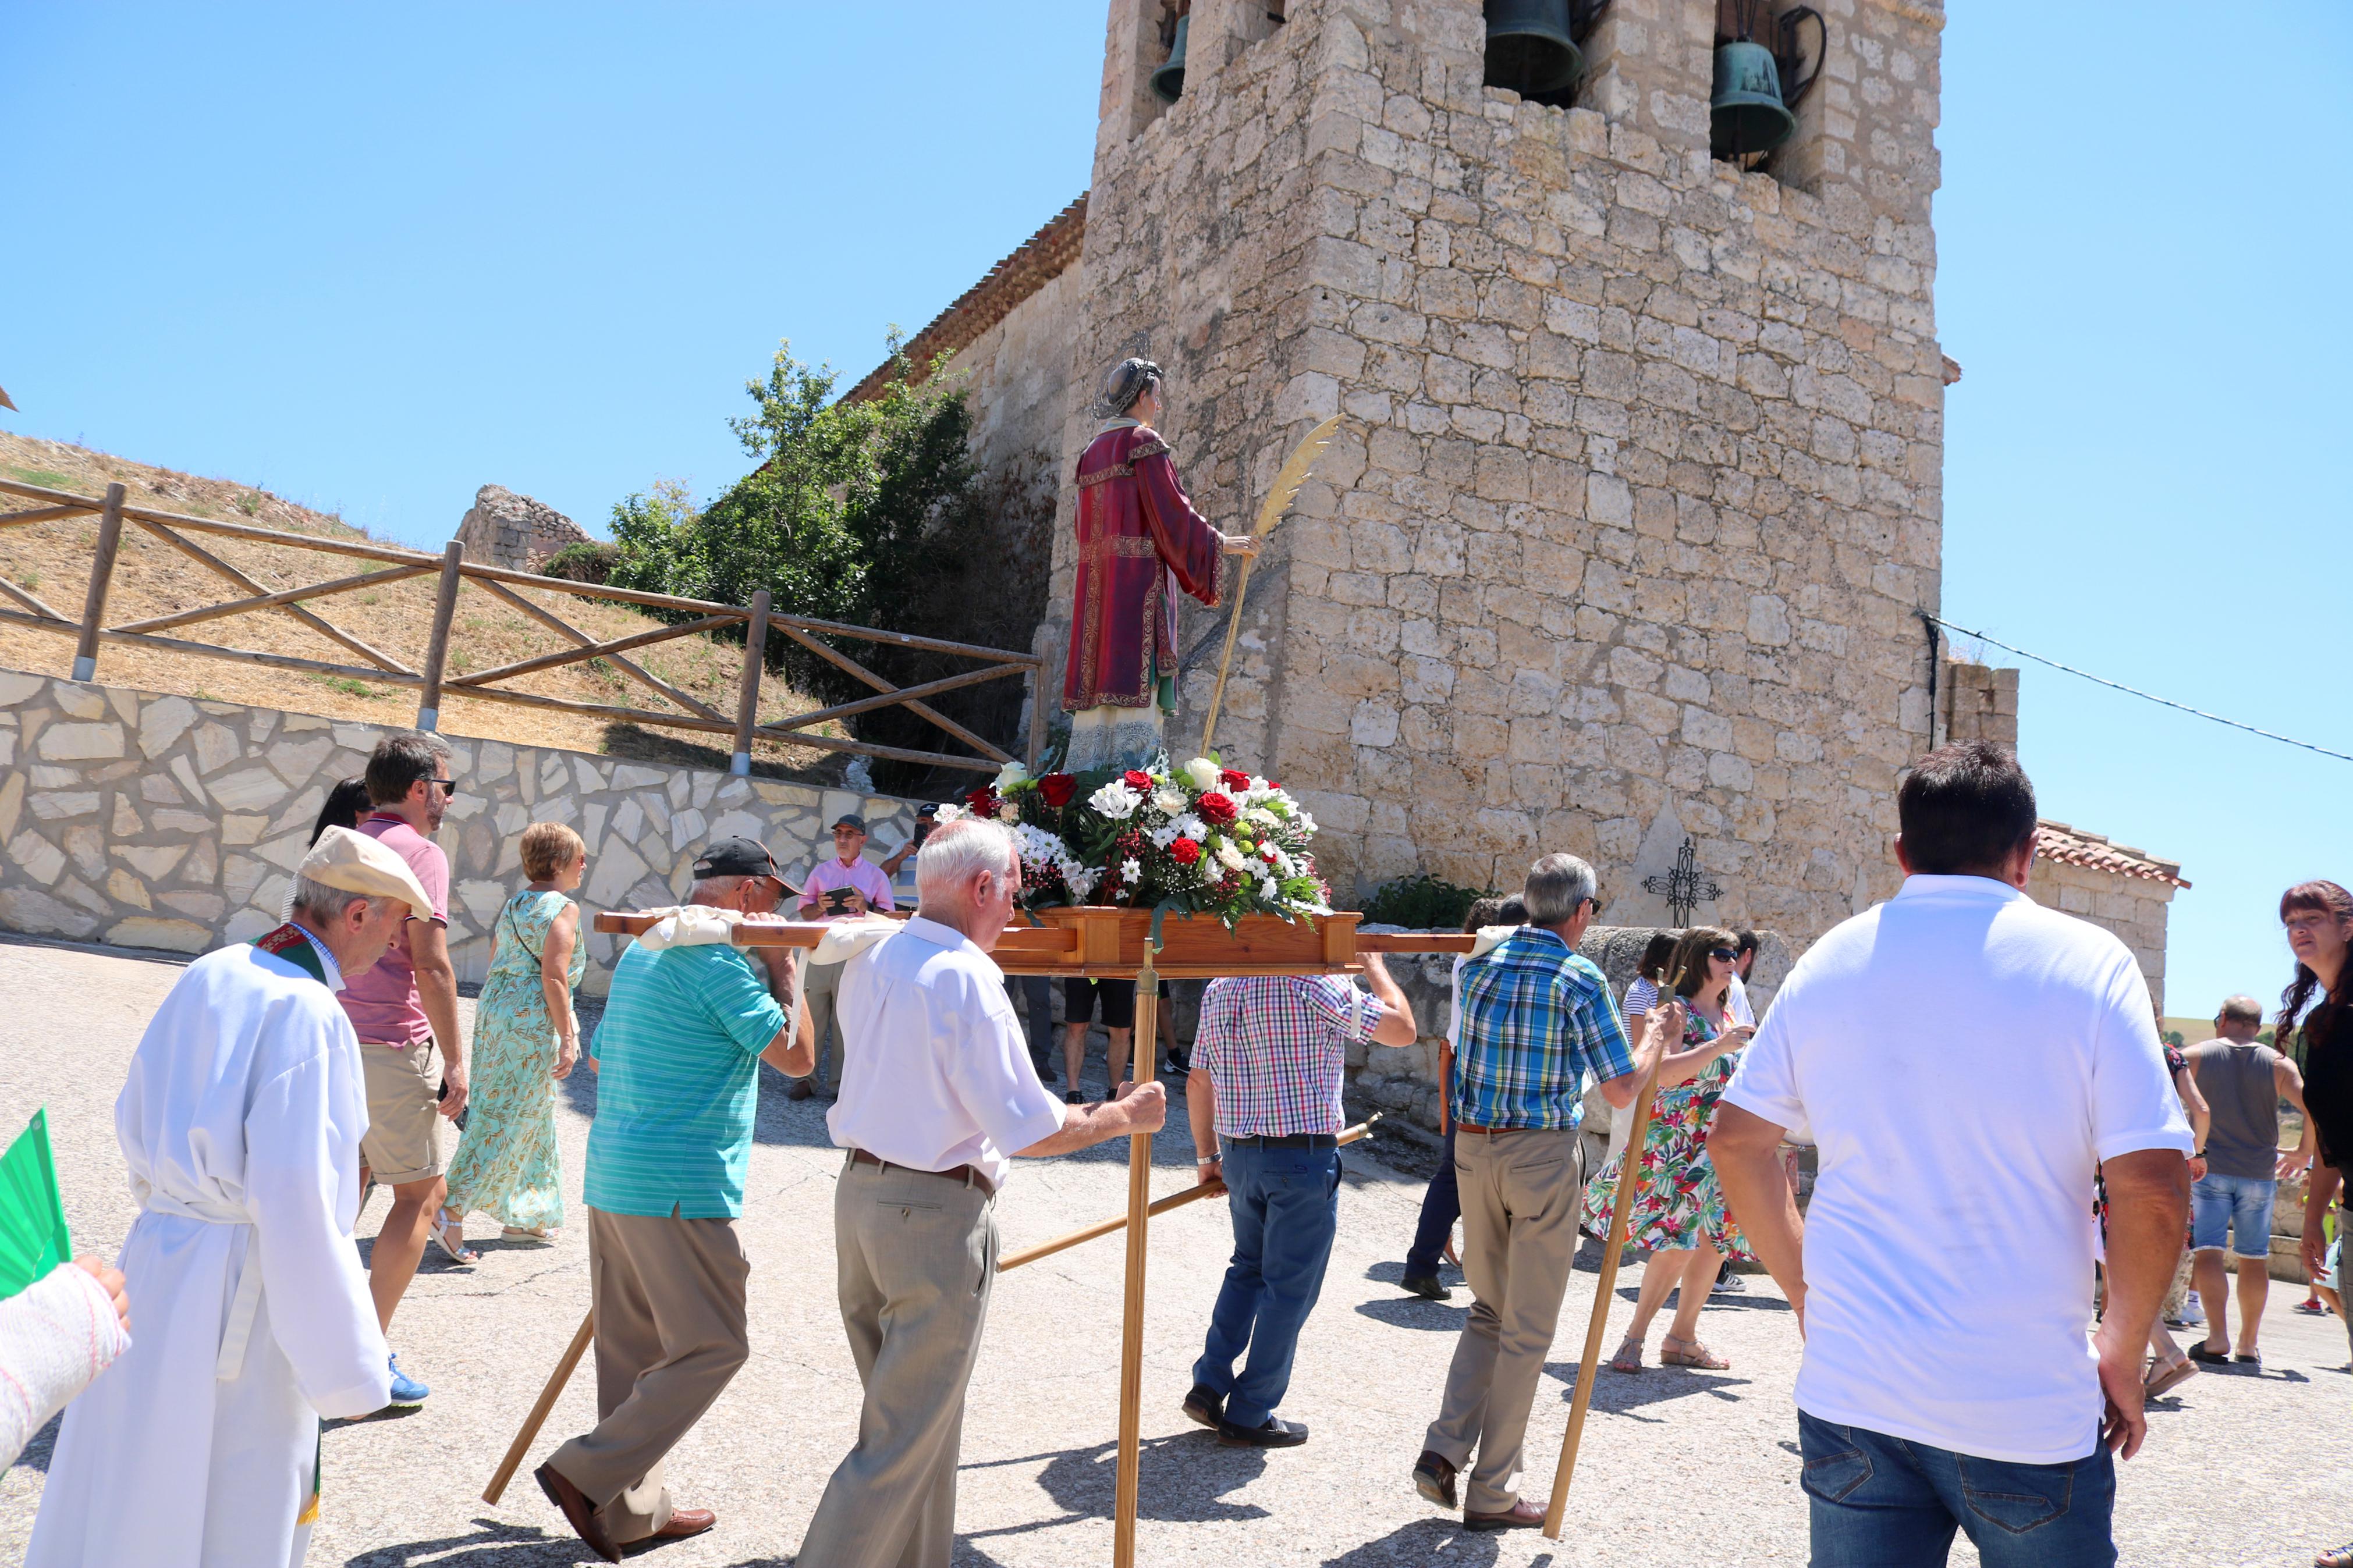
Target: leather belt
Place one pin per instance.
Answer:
(972, 1175)
(1287, 1141)
(1490, 1132)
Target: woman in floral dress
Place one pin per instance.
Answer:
(526, 1036)
(1678, 1216)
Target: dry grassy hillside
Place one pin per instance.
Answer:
(52, 561)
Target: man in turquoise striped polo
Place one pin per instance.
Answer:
(677, 1085)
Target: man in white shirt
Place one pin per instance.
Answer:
(1965, 1061)
(939, 1091)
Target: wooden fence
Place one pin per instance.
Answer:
(431, 682)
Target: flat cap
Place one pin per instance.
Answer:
(358, 864)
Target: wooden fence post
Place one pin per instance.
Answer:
(436, 647)
(101, 574)
(747, 699)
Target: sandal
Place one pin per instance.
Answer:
(1692, 1354)
(2161, 1378)
(1629, 1357)
(2340, 1558)
(529, 1232)
(449, 1232)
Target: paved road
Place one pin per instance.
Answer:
(1679, 1467)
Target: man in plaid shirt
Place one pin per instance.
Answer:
(1263, 1099)
(1535, 1018)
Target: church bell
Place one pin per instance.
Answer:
(1529, 51)
(1749, 110)
(1169, 81)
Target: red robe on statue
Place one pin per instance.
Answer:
(1137, 532)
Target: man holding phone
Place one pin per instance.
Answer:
(838, 889)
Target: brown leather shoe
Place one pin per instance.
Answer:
(578, 1512)
(1433, 1478)
(686, 1521)
(1520, 1515)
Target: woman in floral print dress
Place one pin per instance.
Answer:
(1679, 1215)
(526, 1036)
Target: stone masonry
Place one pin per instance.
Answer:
(504, 529)
(1640, 488)
(165, 822)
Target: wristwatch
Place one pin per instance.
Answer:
(1204, 1160)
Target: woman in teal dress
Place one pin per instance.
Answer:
(526, 1036)
(1678, 1215)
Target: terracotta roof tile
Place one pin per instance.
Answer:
(1042, 258)
(2074, 846)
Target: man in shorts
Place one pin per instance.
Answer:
(405, 1010)
(2243, 1081)
(1082, 999)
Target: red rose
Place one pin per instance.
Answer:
(983, 801)
(1058, 788)
(1185, 851)
(1218, 808)
(1136, 779)
(1232, 780)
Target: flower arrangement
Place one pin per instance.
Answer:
(1202, 838)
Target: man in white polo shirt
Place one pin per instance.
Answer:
(939, 1091)
(1965, 1061)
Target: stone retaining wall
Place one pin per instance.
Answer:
(152, 821)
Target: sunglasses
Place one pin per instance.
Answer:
(1726, 953)
(448, 786)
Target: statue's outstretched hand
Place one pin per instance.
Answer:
(1242, 544)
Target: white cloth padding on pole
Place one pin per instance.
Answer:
(56, 1336)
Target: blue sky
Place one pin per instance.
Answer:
(374, 260)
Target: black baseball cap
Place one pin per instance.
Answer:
(929, 808)
(735, 857)
(850, 819)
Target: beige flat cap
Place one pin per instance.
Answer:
(358, 864)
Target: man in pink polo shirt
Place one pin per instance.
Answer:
(846, 885)
(403, 1009)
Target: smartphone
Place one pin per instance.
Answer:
(837, 900)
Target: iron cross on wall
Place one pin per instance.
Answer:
(1682, 886)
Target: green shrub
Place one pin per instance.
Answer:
(586, 562)
(1422, 903)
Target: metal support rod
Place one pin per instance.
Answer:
(747, 699)
(101, 574)
(1139, 1218)
(437, 647)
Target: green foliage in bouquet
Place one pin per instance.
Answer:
(1200, 839)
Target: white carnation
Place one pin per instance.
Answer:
(1165, 835)
(1201, 773)
(1168, 799)
(1261, 816)
(948, 814)
(1191, 826)
(1115, 800)
(1229, 855)
(1008, 812)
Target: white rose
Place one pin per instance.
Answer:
(1201, 773)
(948, 814)
(1263, 817)
(1008, 775)
(1115, 800)
(1168, 799)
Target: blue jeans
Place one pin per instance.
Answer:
(2238, 1208)
(1286, 1207)
(1878, 1501)
(1441, 1206)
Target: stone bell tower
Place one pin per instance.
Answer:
(1640, 486)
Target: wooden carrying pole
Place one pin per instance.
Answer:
(1621, 1203)
(437, 646)
(538, 1417)
(1139, 1218)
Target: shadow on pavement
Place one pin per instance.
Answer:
(1191, 1472)
(1424, 1540)
(493, 1544)
(1621, 1394)
(1413, 1312)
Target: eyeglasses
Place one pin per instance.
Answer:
(448, 786)
(1726, 953)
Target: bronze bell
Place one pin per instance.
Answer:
(1749, 108)
(1169, 81)
(1529, 49)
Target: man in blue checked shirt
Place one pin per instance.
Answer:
(1536, 1018)
(1263, 1097)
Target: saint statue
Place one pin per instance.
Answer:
(1139, 541)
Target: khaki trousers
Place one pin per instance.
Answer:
(916, 1255)
(822, 987)
(1520, 1196)
(669, 1295)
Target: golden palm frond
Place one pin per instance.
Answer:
(1295, 474)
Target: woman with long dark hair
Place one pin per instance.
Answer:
(2319, 920)
(1678, 1214)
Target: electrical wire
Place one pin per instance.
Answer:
(2134, 692)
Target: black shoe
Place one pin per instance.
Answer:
(1427, 1286)
(1433, 1478)
(1046, 1073)
(800, 1089)
(2253, 1361)
(1204, 1406)
(2198, 1353)
(1276, 1434)
(1073, 1097)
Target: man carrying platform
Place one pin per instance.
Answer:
(939, 1091)
(240, 1122)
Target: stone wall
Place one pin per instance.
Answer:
(1018, 375)
(504, 529)
(2135, 908)
(150, 821)
(1642, 482)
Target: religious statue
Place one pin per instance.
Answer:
(1139, 541)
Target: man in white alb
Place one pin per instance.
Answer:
(241, 1122)
(939, 1091)
(1965, 1061)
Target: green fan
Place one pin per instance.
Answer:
(33, 1237)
